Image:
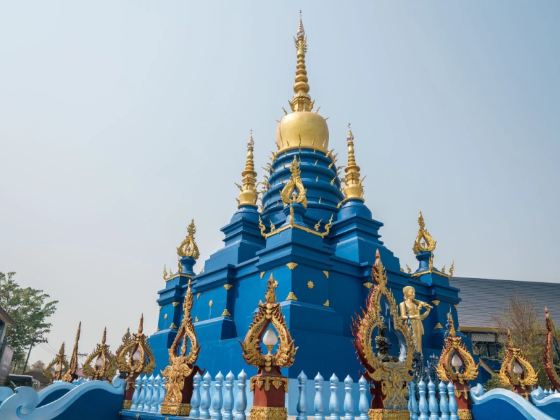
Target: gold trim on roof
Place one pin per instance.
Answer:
(71, 373)
(248, 189)
(268, 313)
(293, 225)
(188, 247)
(424, 241)
(107, 367)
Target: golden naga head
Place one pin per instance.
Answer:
(294, 190)
(269, 313)
(188, 247)
(424, 241)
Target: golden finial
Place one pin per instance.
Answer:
(71, 374)
(301, 100)
(352, 183)
(188, 247)
(294, 191)
(451, 325)
(270, 294)
(424, 241)
(379, 274)
(55, 369)
(104, 337)
(248, 189)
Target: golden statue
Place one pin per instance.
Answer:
(410, 312)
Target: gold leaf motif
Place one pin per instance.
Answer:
(291, 265)
(326, 274)
(310, 284)
(327, 303)
(424, 241)
(294, 191)
(188, 247)
(291, 296)
(227, 286)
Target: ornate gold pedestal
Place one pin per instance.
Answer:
(175, 409)
(387, 414)
(268, 413)
(464, 414)
(126, 404)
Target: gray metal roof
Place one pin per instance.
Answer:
(483, 299)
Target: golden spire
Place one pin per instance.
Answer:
(70, 374)
(248, 189)
(302, 128)
(424, 241)
(301, 100)
(270, 295)
(451, 325)
(353, 187)
(188, 247)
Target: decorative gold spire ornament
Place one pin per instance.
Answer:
(56, 368)
(457, 365)
(389, 374)
(516, 371)
(424, 241)
(134, 358)
(294, 191)
(268, 385)
(181, 369)
(302, 128)
(248, 189)
(353, 188)
(550, 346)
(71, 373)
(105, 365)
(188, 247)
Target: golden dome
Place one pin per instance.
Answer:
(302, 127)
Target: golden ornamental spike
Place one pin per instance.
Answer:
(388, 373)
(353, 188)
(294, 190)
(516, 371)
(181, 369)
(301, 100)
(188, 247)
(134, 358)
(71, 373)
(424, 241)
(248, 194)
(104, 366)
(56, 368)
(268, 385)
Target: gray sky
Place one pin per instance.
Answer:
(119, 121)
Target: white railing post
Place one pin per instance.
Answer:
(155, 394)
(422, 401)
(195, 399)
(217, 397)
(228, 397)
(137, 390)
(412, 401)
(301, 404)
(333, 400)
(363, 405)
(453, 408)
(432, 401)
(205, 396)
(161, 397)
(318, 400)
(348, 403)
(241, 400)
(443, 405)
(142, 395)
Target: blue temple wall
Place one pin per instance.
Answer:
(339, 267)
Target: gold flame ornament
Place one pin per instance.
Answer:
(389, 374)
(181, 368)
(188, 247)
(104, 363)
(71, 374)
(353, 188)
(134, 358)
(455, 364)
(516, 371)
(56, 368)
(248, 189)
(294, 191)
(424, 241)
(268, 313)
(551, 343)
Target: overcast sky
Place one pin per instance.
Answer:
(120, 121)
